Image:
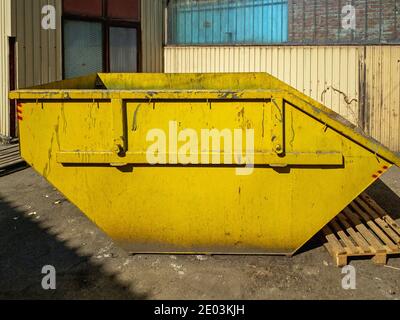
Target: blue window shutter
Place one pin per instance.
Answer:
(229, 22)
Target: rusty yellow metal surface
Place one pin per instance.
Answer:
(92, 144)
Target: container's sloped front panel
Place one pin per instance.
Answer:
(197, 208)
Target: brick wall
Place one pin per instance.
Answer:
(320, 21)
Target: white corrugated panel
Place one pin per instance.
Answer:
(328, 74)
(383, 94)
(5, 32)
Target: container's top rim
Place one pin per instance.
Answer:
(153, 86)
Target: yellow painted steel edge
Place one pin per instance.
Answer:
(260, 158)
(142, 94)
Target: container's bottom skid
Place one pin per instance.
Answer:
(159, 248)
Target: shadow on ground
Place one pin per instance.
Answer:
(386, 198)
(26, 246)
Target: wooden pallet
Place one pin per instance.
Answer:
(363, 229)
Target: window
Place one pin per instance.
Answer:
(198, 22)
(123, 50)
(100, 36)
(83, 48)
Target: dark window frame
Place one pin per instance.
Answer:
(106, 23)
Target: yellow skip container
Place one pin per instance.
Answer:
(132, 152)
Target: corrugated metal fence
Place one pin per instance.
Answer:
(382, 98)
(360, 83)
(320, 72)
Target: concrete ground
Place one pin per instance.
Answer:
(39, 227)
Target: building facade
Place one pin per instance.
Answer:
(343, 53)
(43, 41)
